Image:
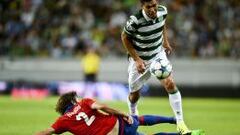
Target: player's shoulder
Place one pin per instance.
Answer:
(136, 17)
(87, 101)
(162, 8)
(138, 14)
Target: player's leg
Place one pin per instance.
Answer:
(194, 132)
(175, 100)
(148, 120)
(132, 128)
(133, 98)
(134, 93)
(136, 81)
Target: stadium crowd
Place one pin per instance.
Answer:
(65, 28)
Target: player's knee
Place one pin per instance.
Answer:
(170, 85)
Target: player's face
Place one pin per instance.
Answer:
(150, 9)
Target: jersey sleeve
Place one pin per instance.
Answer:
(162, 9)
(58, 126)
(130, 27)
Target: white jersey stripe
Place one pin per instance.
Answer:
(149, 53)
(152, 27)
(148, 37)
(149, 45)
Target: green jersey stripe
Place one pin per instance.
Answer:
(150, 32)
(147, 41)
(150, 44)
(149, 23)
(149, 37)
(148, 53)
(147, 48)
(151, 27)
(148, 57)
(129, 34)
(139, 14)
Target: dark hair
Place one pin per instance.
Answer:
(143, 1)
(64, 101)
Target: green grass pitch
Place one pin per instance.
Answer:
(215, 116)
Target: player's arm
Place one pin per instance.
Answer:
(128, 45)
(106, 109)
(166, 44)
(126, 36)
(48, 131)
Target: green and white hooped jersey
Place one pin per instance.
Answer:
(146, 34)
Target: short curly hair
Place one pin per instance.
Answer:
(143, 1)
(64, 101)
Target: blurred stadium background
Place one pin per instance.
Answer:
(43, 43)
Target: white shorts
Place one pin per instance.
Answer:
(136, 80)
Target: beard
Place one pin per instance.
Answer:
(152, 15)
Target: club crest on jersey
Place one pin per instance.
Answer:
(129, 25)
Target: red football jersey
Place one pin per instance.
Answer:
(82, 120)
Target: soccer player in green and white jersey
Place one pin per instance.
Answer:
(145, 39)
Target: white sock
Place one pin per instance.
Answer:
(132, 108)
(176, 104)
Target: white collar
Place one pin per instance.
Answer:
(148, 18)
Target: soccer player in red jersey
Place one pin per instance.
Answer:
(87, 117)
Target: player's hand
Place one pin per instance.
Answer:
(140, 65)
(128, 119)
(168, 48)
